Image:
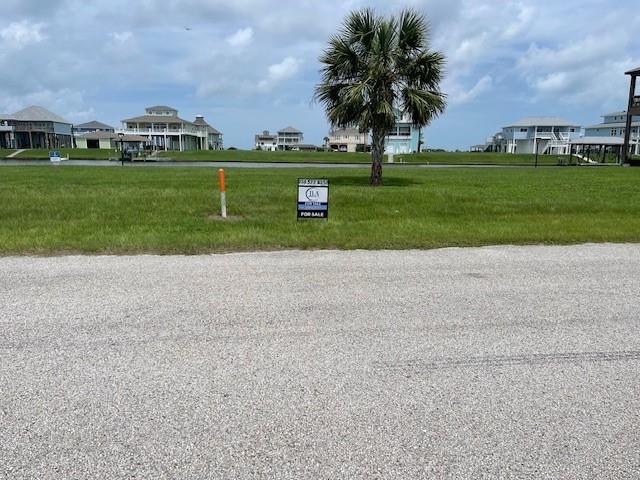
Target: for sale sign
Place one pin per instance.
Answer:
(313, 198)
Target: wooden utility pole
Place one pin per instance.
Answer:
(632, 110)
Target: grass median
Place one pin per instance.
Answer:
(62, 209)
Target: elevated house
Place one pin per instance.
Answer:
(550, 135)
(266, 141)
(348, 140)
(494, 143)
(289, 138)
(210, 135)
(35, 127)
(93, 126)
(404, 137)
(165, 130)
(613, 125)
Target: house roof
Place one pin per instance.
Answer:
(97, 135)
(543, 122)
(289, 130)
(613, 125)
(202, 122)
(161, 107)
(597, 141)
(615, 114)
(94, 124)
(157, 119)
(37, 114)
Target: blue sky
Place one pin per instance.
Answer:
(251, 65)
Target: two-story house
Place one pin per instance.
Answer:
(165, 130)
(266, 141)
(404, 137)
(289, 138)
(614, 125)
(550, 135)
(348, 140)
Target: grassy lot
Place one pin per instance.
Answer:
(4, 152)
(73, 153)
(265, 156)
(452, 158)
(343, 157)
(53, 209)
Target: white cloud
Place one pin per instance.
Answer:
(241, 38)
(23, 33)
(279, 72)
(459, 95)
(120, 38)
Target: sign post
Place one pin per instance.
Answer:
(54, 156)
(313, 198)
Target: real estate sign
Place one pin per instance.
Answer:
(54, 156)
(313, 198)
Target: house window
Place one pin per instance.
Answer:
(524, 130)
(572, 129)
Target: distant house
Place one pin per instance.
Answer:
(266, 141)
(213, 136)
(165, 130)
(289, 138)
(110, 140)
(614, 125)
(552, 135)
(404, 137)
(348, 140)
(34, 127)
(93, 126)
(494, 143)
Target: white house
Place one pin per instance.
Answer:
(614, 125)
(550, 135)
(165, 130)
(266, 141)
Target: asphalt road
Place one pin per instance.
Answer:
(500, 362)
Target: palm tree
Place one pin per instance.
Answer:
(376, 67)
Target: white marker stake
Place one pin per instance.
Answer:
(223, 194)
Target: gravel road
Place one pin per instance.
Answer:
(497, 362)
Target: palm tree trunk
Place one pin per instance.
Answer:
(377, 149)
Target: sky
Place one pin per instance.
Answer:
(251, 65)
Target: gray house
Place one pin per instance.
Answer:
(289, 138)
(34, 127)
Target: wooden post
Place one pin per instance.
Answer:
(223, 194)
(627, 131)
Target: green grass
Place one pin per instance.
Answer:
(52, 209)
(5, 152)
(265, 156)
(344, 157)
(451, 158)
(73, 153)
